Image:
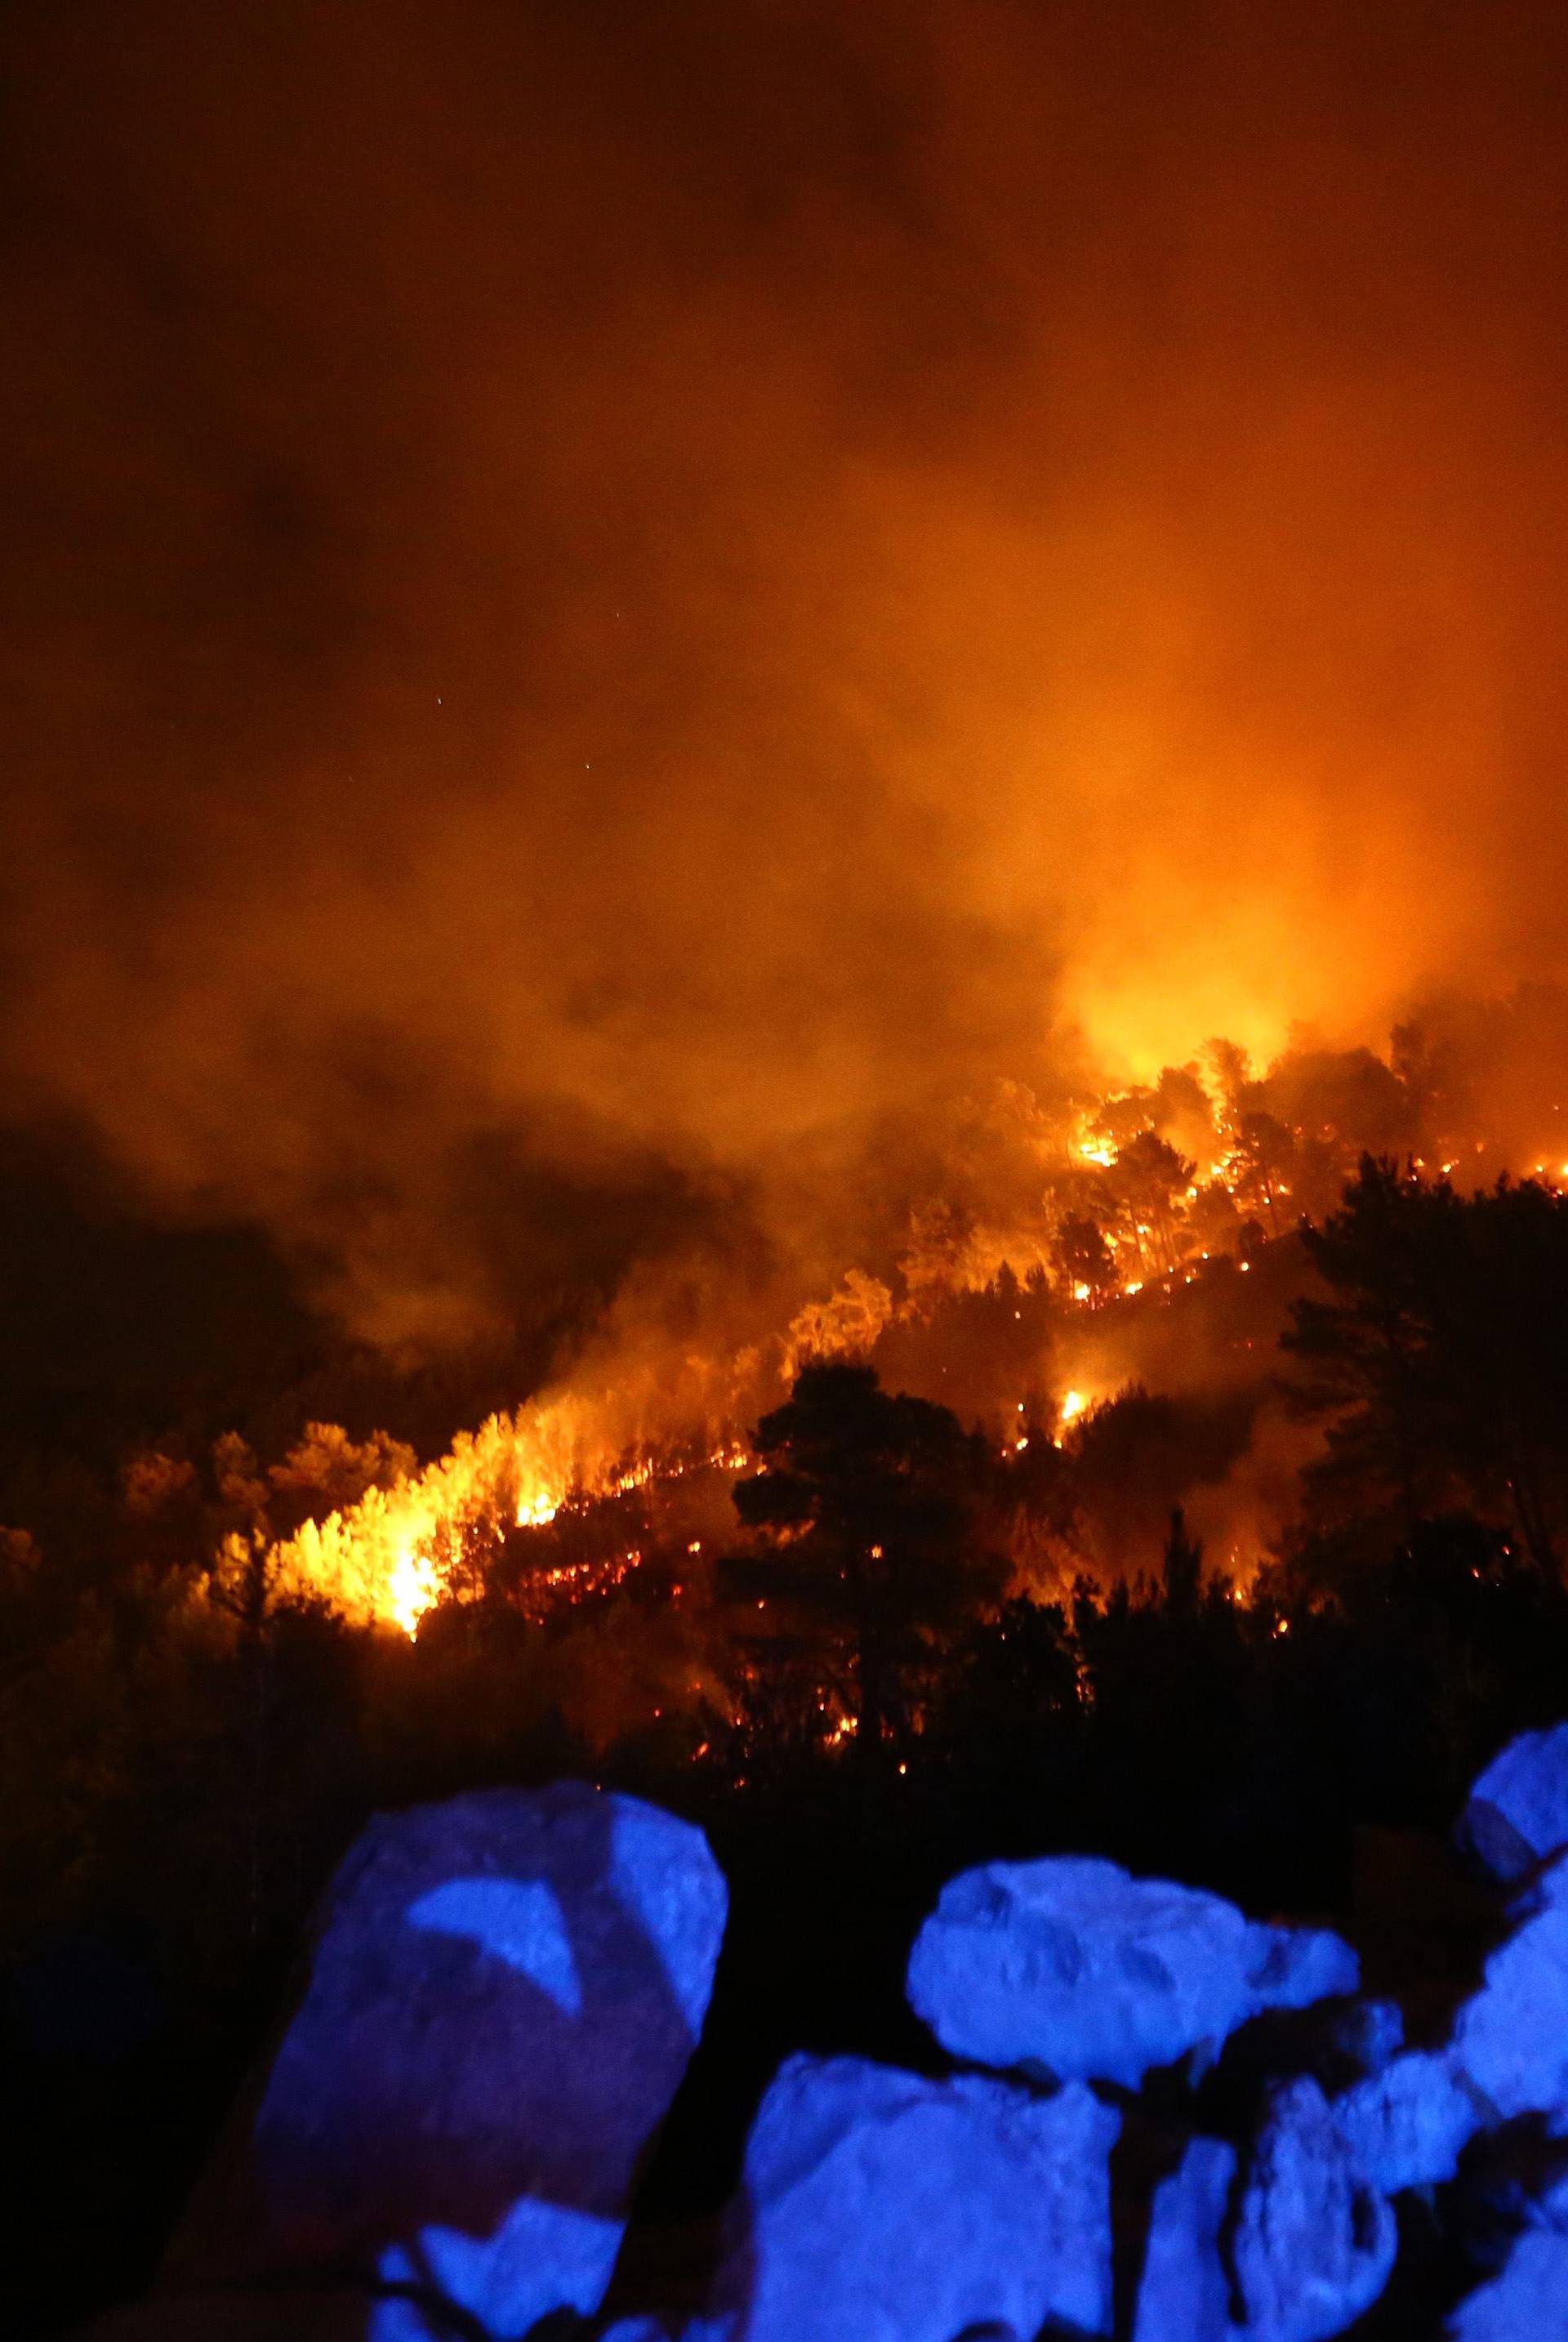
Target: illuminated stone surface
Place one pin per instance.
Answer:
(1518, 1809)
(543, 2256)
(879, 2205)
(1184, 2291)
(1315, 2243)
(1527, 2303)
(1515, 2178)
(1407, 2124)
(1510, 2038)
(505, 1995)
(1073, 1967)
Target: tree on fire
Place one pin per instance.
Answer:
(1266, 1150)
(1083, 1257)
(1438, 1361)
(866, 1502)
(1151, 1176)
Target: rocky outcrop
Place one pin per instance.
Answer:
(1517, 1812)
(1073, 1968)
(884, 2205)
(504, 1996)
(1510, 2039)
(1528, 2302)
(1185, 2283)
(505, 1992)
(1314, 2240)
(1408, 2125)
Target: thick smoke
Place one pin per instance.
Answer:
(605, 603)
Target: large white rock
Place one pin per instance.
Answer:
(1184, 2287)
(1517, 1812)
(1510, 2039)
(505, 1994)
(1072, 1966)
(1315, 2243)
(884, 2206)
(1527, 2303)
(1407, 2124)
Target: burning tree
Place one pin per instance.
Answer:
(1265, 1152)
(1153, 1177)
(1083, 1259)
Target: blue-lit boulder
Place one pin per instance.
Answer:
(880, 2205)
(1510, 2039)
(505, 1994)
(1315, 2242)
(1355, 2039)
(1070, 1966)
(1528, 2302)
(1184, 2287)
(1514, 2178)
(1517, 1812)
(1407, 2124)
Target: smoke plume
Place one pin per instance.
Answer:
(605, 604)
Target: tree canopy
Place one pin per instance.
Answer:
(1438, 1358)
(866, 1499)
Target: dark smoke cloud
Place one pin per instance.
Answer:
(601, 602)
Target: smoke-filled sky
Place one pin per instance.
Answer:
(600, 600)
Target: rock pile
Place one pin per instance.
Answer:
(505, 1994)
(896, 2209)
(1075, 1970)
(506, 1989)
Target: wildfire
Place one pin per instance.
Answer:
(413, 1589)
(390, 1557)
(1141, 1193)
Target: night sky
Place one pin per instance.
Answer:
(601, 602)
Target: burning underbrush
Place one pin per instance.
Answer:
(1096, 1287)
(1101, 1284)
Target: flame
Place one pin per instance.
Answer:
(388, 1558)
(413, 1588)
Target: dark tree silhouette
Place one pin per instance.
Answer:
(1182, 1567)
(867, 1501)
(1083, 1257)
(1438, 1361)
(1151, 1176)
(1266, 1149)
